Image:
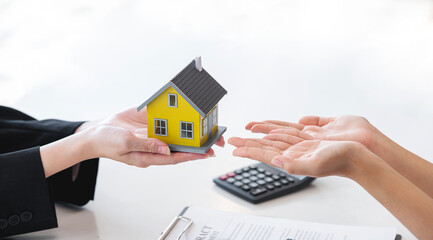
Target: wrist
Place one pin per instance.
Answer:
(66, 152)
(388, 150)
(86, 125)
(373, 138)
(364, 164)
(87, 143)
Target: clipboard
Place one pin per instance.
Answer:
(173, 223)
(189, 223)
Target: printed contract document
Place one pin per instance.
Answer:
(210, 224)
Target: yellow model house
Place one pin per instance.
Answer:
(184, 113)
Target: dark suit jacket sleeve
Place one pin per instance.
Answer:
(26, 197)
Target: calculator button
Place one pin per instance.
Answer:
(261, 182)
(284, 181)
(258, 191)
(253, 172)
(246, 188)
(276, 177)
(253, 185)
(237, 177)
(246, 169)
(261, 175)
(230, 180)
(231, 174)
(246, 181)
(239, 171)
(290, 179)
(282, 175)
(260, 169)
(238, 184)
(269, 179)
(267, 173)
(253, 178)
(253, 167)
(223, 177)
(277, 184)
(270, 187)
(245, 174)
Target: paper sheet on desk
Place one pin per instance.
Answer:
(210, 224)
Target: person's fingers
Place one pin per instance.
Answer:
(138, 143)
(210, 153)
(316, 120)
(141, 131)
(259, 154)
(220, 142)
(251, 124)
(240, 142)
(236, 141)
(292, 131)
(286, 130)
(258, 142)
(285, 124)
(274, 123)
(316, 132)
(143, 159)
(292, 140)
(265, 128)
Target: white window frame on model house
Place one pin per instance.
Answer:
(204, 126)
(184, 131)
(175, 100)
(158, 126)
(215, 116)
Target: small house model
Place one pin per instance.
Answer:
(184, 112)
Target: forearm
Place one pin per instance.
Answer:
(66, 152)
(409, 165)
(413, 207)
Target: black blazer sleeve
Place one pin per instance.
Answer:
(26, 196)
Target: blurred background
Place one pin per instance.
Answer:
(88, 59)
(278, 59)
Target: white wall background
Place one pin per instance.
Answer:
(284, 59)
(278, 59)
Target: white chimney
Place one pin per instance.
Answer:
(198, 63)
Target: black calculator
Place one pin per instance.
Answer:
(260, 182)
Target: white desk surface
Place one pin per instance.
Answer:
(277, 59)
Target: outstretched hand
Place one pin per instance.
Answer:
(345, 128)
(123, 137)
(318, 158)
(309, 147)
(315, 158)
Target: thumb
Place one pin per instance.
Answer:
(291, 165)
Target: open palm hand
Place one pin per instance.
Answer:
(345, 128)
(316, 158)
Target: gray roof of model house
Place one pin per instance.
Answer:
(196, 86)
